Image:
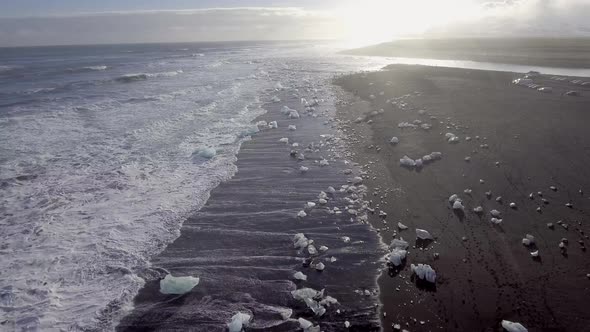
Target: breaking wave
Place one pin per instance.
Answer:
(128, 78)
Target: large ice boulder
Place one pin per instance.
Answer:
(177, 285)
(513, 326)
(424, 272)
(238, 322)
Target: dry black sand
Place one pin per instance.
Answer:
(535, 140)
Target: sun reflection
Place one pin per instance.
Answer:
(373, 21)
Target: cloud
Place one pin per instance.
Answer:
(212, 24)
(505, 18)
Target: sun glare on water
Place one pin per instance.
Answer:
(373, 21)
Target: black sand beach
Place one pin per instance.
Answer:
(522, 141)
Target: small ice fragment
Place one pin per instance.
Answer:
(424, 272)
(478, 209)
(357, 180)
(177, 285)
(320, 266)
(513, 326)
(284, 140)
(423, 234)
(495, 213)
(458, 205)
(322, 201)
(304, 323)
(345, 239)
(292, 127)
(293, 114)
(303, 169)
(238, 321)
(324, 162)
(300, 241)
(513, 205)
(207, 153)
(453, 198)
(401, 226)
(397, 256)
(407, 162)
(535, 253)
(301, 214)
(394, 140)
(528, 240)
(323, 248)
(496, 221)
(312, 250)
(299, 276)
(273, 124)
(310, 205)
(399, 244)
(347, 324)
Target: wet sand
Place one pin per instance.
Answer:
(240, 244)
(546, 52)
(527, 141)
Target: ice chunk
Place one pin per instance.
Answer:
(418, 162)
(423, 234)
(261, 124)
(496, 221)
(528, 240)
(301, 214)
(401, 226)
(292, 127)
(207, 153)
(424, 272)
(323, 248)
(303, 169)
(299, 276)
(453, 198)
(535, 253)
(324, 162)
(300, 241)
(293, 114)
(458, 205)
(284, 140)
(312, 250)
(513, 205)
(317, 309)
(304, 323)
(320, 266)
(304, 293)
(513, 326)
(310, 205)
(399, 244)
(238, 322)
(397, 256)
(478, 209)
(273, 124)
(407, 162)
(394, 140)
(276, 99)
(345, 239)
(495, 213)
(177, 285)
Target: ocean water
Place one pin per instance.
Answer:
(100, 163)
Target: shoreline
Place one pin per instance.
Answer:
(484, 273)
(240, 244)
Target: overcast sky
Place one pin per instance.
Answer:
(57, 22)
